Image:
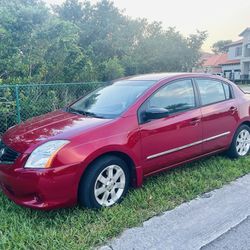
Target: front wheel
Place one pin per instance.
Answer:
(105, 183)
(240, 145)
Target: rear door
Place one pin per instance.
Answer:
(219, 113)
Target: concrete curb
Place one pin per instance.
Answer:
(192, 225)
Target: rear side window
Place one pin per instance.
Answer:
(227, 91)
(213, 91)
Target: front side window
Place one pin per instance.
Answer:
(212, 91)
(175, 97)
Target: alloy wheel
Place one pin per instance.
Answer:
(109, 185)
(243, 142)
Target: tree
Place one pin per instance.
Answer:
(70, 10)
(112, 69)
(192, 56)
(19, 22)
(167, 50)
(37, 46)
(80, 41)
(220, 46)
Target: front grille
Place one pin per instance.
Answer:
(7, 155)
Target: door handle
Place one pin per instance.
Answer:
(195, 121)
(233, 109)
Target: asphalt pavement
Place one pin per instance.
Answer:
(237, 238)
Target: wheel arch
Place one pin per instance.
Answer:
(245, 123)
(134, 172)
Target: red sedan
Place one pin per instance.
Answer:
(92, 151)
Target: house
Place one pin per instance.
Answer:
(210, 63)
(213, 63)
(237, 65)
(245, 60)
(231, 68)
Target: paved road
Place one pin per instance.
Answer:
(217, 220)
(237, 238)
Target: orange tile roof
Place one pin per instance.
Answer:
(215, 60)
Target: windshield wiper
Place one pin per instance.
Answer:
(83, 112)
(74, 111)
(91, 114)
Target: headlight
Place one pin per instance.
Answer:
(43, 155)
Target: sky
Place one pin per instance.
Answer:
(222, 19)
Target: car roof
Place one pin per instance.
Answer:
(161, 76)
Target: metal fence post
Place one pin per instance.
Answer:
(18, 115)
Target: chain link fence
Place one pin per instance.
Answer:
(20, 102)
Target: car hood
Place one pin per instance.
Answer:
(55, 125)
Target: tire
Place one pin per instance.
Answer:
(105, 183)
(240, 145)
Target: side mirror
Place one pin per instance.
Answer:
(156, 113)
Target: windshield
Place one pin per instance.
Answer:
(110, 101)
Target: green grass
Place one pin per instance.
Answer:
(76, 228)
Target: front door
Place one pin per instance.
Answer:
(176, 137)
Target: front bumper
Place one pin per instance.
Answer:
(43, 189)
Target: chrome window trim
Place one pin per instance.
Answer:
(195, 79)
(187, 146)
(196, 98)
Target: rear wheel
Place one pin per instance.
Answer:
(105, 183)
(240, 145)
